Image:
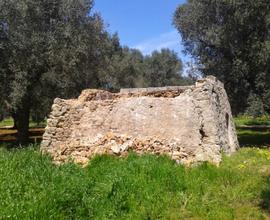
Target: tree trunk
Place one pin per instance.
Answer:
(21, 121)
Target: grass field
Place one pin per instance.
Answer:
(9, 122)
(147, 187)
(247, 120)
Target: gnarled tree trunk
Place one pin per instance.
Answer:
(21, 122)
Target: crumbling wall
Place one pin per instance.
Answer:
(189, 124)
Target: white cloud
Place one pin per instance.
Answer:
(171, 40)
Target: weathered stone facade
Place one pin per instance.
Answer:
(190, 124)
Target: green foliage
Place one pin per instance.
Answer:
(124, 69)
(138, 187)
(163, 69)
(47, 49)
(231, 40)
(255, 106)
(6, 122)
(128, 68)
(44, 43)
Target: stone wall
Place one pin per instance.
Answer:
(190, 124)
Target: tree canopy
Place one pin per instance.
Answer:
(164, 68)
(231, 40)
(47, 48)
(130, 68)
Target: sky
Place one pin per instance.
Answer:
(142, 24)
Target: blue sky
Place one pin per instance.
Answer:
(142, 24)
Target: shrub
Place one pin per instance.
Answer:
(255, 106)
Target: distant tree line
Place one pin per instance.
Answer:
(231, 40)
(130, 68)
(57, 48)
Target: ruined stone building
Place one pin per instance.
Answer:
(189, 124)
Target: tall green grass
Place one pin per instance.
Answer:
(136, 187)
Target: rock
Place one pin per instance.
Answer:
(125, 146)
(116, 149)
(191, 124)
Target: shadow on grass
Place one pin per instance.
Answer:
(253, 138)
